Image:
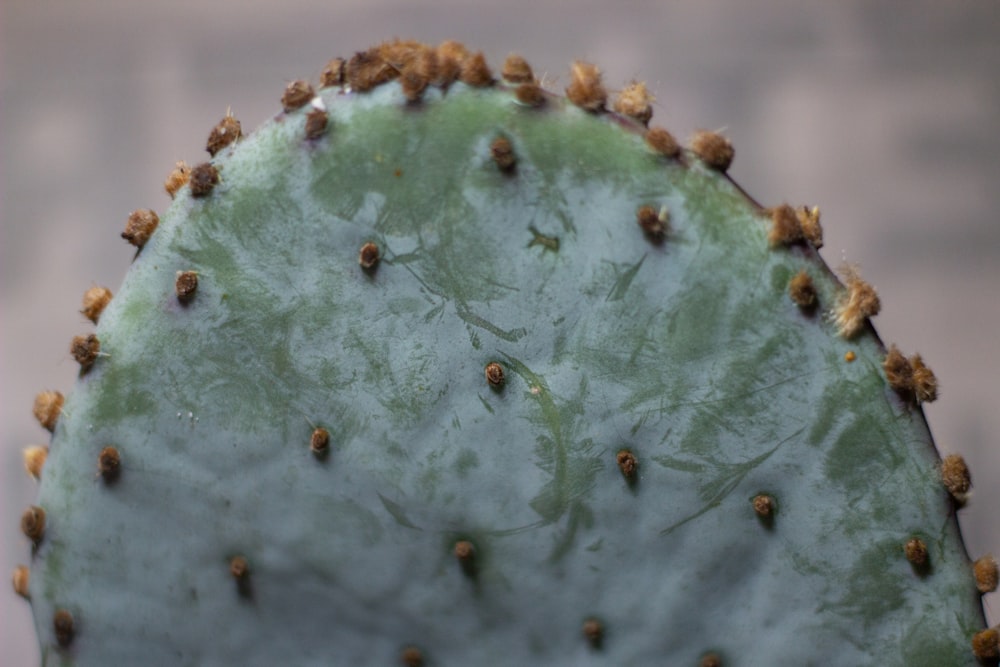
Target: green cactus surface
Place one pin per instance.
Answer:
(437, 372)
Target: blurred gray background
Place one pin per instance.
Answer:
(885, 114)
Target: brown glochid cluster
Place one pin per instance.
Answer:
(711, 660)
(226, 132)
(802, 290)
(516, 70)
(319, 442)
(34, 459)
(109, 464)
(785, 226)
(64, 627)
(627, 463)
(95, 300)
(21, 579)
(204, 178)
(465, 553)
(530, 94)
(333, 74)
(593, 632)
(910, 378)
(475, 71)
(661, 141)
(33, 523)
(186, 285)
(503, 154)
(494, 375)
(654, 224)
(316, 122)
(713, 149)
(636, 102)
(47, 408)
(763, 505)
(916, 552)
(177, 178)
(585, 89)
(956, 476)
(296, 95)
(986, 644)
(986, 574)
(411, 656)
(239, 567)
(368, 256)
(140, 226)
(85, 350)
(856, 304)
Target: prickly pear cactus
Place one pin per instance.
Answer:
(439, 368)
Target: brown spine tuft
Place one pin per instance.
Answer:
(530, 94)
(316, 122)
(628, 464)
(713, 149)
(34, 459)
(494, 375)
(654, 224)
(418, 72)
(204, 178)
(916, 552)
(239, 568)
(450, 56)
(475, 72)
(635, 102)
(956, 477)
(811, 229)
(333, 74)
(367, 69)
(140, 226)
(763, 505)
(85, 350)
(33, 523)
(802, 290)
(855, 305)
(177, 179)
(503, 154)
(465, 553)
(412, 657)
(319, 442)
(95, 300)
(898, 371)
(186, 285)
(661, 141)
(109, 464)
(225, 133)
(925, 386)
(368, 256)
(986, 644)
(785, 226)
(986, 573)
(585, 89)
(593, 632)
(64, 627)
(711, 660)
(297, 94)
(47, 408)
(517, 70)
(22, 576)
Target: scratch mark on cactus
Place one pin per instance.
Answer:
(396, 510)
(511, 336)
(547, 242)
(624, 281)
(572, 462)
(719, 488)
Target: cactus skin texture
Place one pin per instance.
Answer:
(373, 395)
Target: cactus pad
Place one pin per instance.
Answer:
(429, 371)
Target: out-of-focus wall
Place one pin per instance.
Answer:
(885, 114)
